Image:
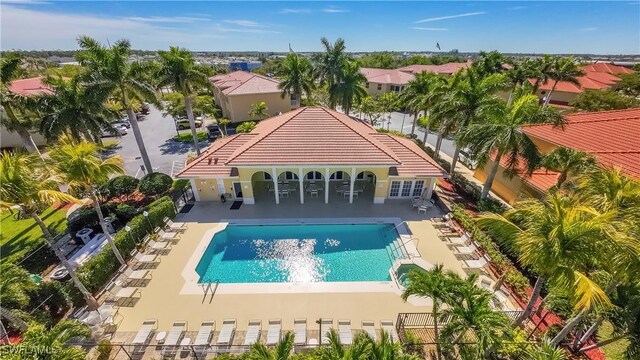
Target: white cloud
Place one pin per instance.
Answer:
(246, 30)
(428, 29)
(25, 2)
(450, 17)
(587, 29)
(334, 10)
(166, 19)
(247, 23)
(517, 8)
(295, 11)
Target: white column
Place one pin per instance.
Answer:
(274, 177)
(429, 190)
(353, 181)
(326, 185)
(301, 183)
(194, 189)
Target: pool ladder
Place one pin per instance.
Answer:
(208, 289)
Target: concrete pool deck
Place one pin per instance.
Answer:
(161, 298)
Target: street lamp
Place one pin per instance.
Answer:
(146, 216)
(127, 228)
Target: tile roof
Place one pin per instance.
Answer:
(387, 76)
(613, 137)
(313, 136)
(541, 179)
(242, 82)
(30, 86)
(607, 68)
(445, 69)
(596, 76)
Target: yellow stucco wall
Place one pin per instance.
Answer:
(507, 188)
(543, 146)
(241, 105)
(558, 97)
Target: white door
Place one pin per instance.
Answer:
(237, 190)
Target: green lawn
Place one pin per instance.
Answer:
(613, 351)
(19, 237)
(186, 137)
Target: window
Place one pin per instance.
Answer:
(360, 176)
(406, 188)
(288, 175)
(314, 175)
(267, 176)
(417, 187)
(379, 86)
(338, 175)
(395, 189)
(366, 85)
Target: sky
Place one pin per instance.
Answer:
(607, 27)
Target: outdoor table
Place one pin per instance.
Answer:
(161, 336)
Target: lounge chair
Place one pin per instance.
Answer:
(326, 325)
(471, 249)
(369, 327)
(178, 226)
(203, 338)
(475, 266)
(143, 260)
(144, 335)
(136, 277)
(300, 331)
(168, 235)
(463, 240)
(387, 326)
(273, 334)
(253, 332)
(344, 329)
(172, 342)
(123, 296)
(226, 332)
(158, 247)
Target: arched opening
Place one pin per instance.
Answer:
(288, 185)
(262, 185)
(314, 186)
(365, 185)
(339, 185)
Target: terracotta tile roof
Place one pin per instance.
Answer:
(30, 86)
(242, 82)
(607, 68)
(613, 137)
(313, 136)
(387, 76)
(445, 69)
(596, 76)
(541, 179)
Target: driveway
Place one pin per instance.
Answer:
(157, 132)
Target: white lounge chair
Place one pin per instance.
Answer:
(476, 265)
(168, 235)
(158, 246)
(326, 325)
(143, 260)
(300, 331)
(136, 277)
(463, 240)
(273, 334)
(203, 338)
(344, 329)
(471, 249)
(178, 226)
(253, 332)
(122, 296)
(144, 336)
(369, 327)
(172, 342)
(387, 326)
(226, 332)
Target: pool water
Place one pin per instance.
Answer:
(299, 254)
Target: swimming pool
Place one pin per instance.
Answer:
(299, 254)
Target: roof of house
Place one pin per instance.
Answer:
(445, 69)
(30, 86)
(313, 136)
(613, 137)
(596, 76)
(607, 68)
(242, 83)
(541, 179)
(387, 76)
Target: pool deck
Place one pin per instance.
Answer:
(163, 299)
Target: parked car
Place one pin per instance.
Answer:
(144, 108)
(213, 131)
(120, 130)
(123, 122)
(468, 158)
(184, 123)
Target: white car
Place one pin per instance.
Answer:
(120, 128)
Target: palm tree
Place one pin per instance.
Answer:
(80, 166)
(349, 88)
(490, 63)
(541, 69)
(55, 340)
(15, 284)
(26, 186)
(76, 110)
(179, 70)
(17, 109)
(443, 108)
(545, 351)
(386, 348)
(557, 239)
(434, 284)
(330, 64)
(296, 77)
(110, 68)
(567, 162)
(610, 189)
(259, 110)
(335, 350)
(564, 69)
(420, 94)
(500, 136)
(282, 350)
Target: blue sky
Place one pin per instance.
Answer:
(611, 27)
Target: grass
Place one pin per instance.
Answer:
(187, 138)
(613, 351)
(110, 144)
(20, 237)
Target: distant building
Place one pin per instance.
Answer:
(244, 65)
(444, 69)
(382, 81)
(27, 87)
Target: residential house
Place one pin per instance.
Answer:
(237, 91)
(612, 137)
(26, 87)
(382, 81)
(444, 69)
(312, 154)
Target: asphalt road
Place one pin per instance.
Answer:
(158, 133)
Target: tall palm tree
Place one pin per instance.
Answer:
(16, 115)
(24, 184)
(567, 162)
(349, 88)
(296, 77)
(329, 66)
(500, 135)
(564, 69)
(491, 62)
(541, 69)
(178, 69)
(55, 340)
(259, 110)
(386, 349)
(420, 94)
(109, 67)
(335, 350)
(557, 239)
(76, 110)
(282, 350)
(607, 189)
(443, 109)
(435, 284)
(15, 284)
(79, 165)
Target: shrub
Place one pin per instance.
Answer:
(50, 295)
(180, 184)
(392, 132)
(82, 218)
(104, 349)
(125, 212)
(120, 185)
(491, 205)
(246, 127)
(154, 184)
(186, 137)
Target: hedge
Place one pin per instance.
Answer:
(513, 276)
(155, 183)
(96, 272)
